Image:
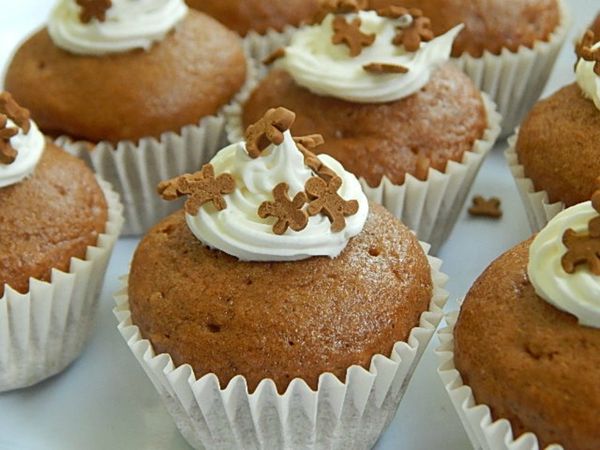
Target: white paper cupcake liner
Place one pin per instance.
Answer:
(515, 80)
(135, 169)
(484, 432)
(337, 415)
(43, 331)
(431, 207)
(537, 204)
(259, 46)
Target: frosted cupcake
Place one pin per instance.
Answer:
(555, 157)
(523, 362)
(57, 230)
(134, 87)
(376, 84)
(282, 293)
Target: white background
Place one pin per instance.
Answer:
(105, 401)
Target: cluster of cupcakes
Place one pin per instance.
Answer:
(283, 293)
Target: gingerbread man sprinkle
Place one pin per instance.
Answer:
(288, 212)
(412, 32)
(585, 51)
(93, 9)
(7, 153)
(268, 130)
(324, 198)
(15, 112)
(277, 54)
(339, 7)
(201, 187)
(382, 68)
(486, 207)
(350, 35)
(584, 248)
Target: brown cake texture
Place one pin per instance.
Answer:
(243, 16)
(192, 73)
(440, 122)
(49, 218)
(490, 25)
(530, 362)
(279, 320)
(558, 146)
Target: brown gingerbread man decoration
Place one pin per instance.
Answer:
(200, 188)
(324, 198)
(15, 112)
(584, 248)
(268, 130)
(350, 35)
(7, 153)
(93, 9)
(484, 207)
(585, 51)
(411, 32)
(288, 212)
(383, 68)
(339, 7)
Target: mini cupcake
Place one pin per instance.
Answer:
(507, 48)
(281, 309)
(412, 128)
(142, 81)
(57, 230)
(522, 363)
(555, 157)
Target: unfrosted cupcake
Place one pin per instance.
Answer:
(555, 156)
(526, 345)
(412, 128)
(281, 287)
(507, 47)
(57, 230)
(135, 88)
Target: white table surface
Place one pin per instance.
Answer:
(105, 401)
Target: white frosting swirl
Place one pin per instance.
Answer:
(129, 24)
(29, 149)
(239, 231)
(587, 79)
(577, 293)
(328, 69)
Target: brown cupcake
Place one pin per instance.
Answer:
(558, 146)
(489, 25)
(243, 16)
(48, 219)
(278, 320)
(189, 75)
(440, 123)
(530, 362)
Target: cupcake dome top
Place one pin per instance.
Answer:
(489, 25)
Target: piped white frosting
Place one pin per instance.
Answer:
(577, 293)
(240, 232)
(588, 80)
(129, 25)
(29, 149)
(328, 69)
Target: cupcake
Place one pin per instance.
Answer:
(507, 48)
(134, 87)
(413, 128)
(57, 230)
(554, 157)
(522, 362)
(282, 294)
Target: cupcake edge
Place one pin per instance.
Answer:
(135, 169)
(354, 412)
(537, 204)
(483, 431)
(44, 331)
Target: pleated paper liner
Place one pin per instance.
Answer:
(135, 168)
(513, 80)
(537, 205)
(484, 432)
(43, 331)
(431, 207)
(352, 414)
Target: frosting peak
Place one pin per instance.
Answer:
(113, 27)
(367, 57)
(587, 70)
(283, 204)
(550, 256)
